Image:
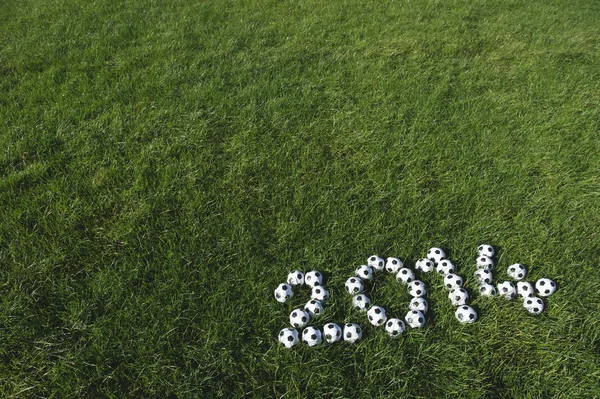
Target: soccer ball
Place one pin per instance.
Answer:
(392, 265)
(352, 332)
(424, 265)
(296, 278)
(484, 276)
(445, 267)
(319, 293)
(485, 250)
(312, 336)
(507, 290)
(299, 318)
(377, 315)
(516, 271)
(415, 319)
(484, 262)
(533, 305)
(365, 272)
(458, 296)
(416, 288)
(465, 314)
(405, 275)
(332, 333)
(486, 289)
(524, 289)
(313, 278)
(436, 254)
(288, 337)
(376, 263)
(361, 302)
(419, 304)
(283, 292)
(452, 281)
(545, 287)
(354, 285)
(395, 327)
(314, 308)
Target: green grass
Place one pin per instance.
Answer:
(164, 165)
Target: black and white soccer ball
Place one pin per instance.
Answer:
(364, 272)
(445, 267)
(299, 318)
(314, 308)
(419, 304)
(319, 293)
(312, 336)
(452, 281)
(486, 289)
(283, 292)
(516, 271)
(392, 265)
(534, 305)
(376, 263)
(352, 332)
(405, 275)
(424, 265)
(465, 314)
(524, 289)
(416, 288)
(415, 319)
(507, 290)
(484, 262)
(361, 302)
(395, 327)
(377, 315)
(436, 254)
(288, 337)
(545, 287)
(485, 250)
(458, 296)
(354, 285)
(332, 333)
(484, 276)
(295, 278)
(313, 278)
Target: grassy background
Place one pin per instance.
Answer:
(164, 164)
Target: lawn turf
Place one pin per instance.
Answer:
(166, 163)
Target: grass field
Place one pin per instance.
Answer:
(164, 165)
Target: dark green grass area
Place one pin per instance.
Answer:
(165, 164)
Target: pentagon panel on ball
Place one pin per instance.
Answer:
(288, 337)
(283, 292)
(352, 332)
(465, 314)
(485, 250)
(415, 319)
(395, 327)
(392, 265)
(332, 333)
(405, 275)
(295, 278)
(313, 278)
(436, 254)
(376, 263)
(312, 336)
(424, 265)
(545, 287)
(364, 272)
(376, 315)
